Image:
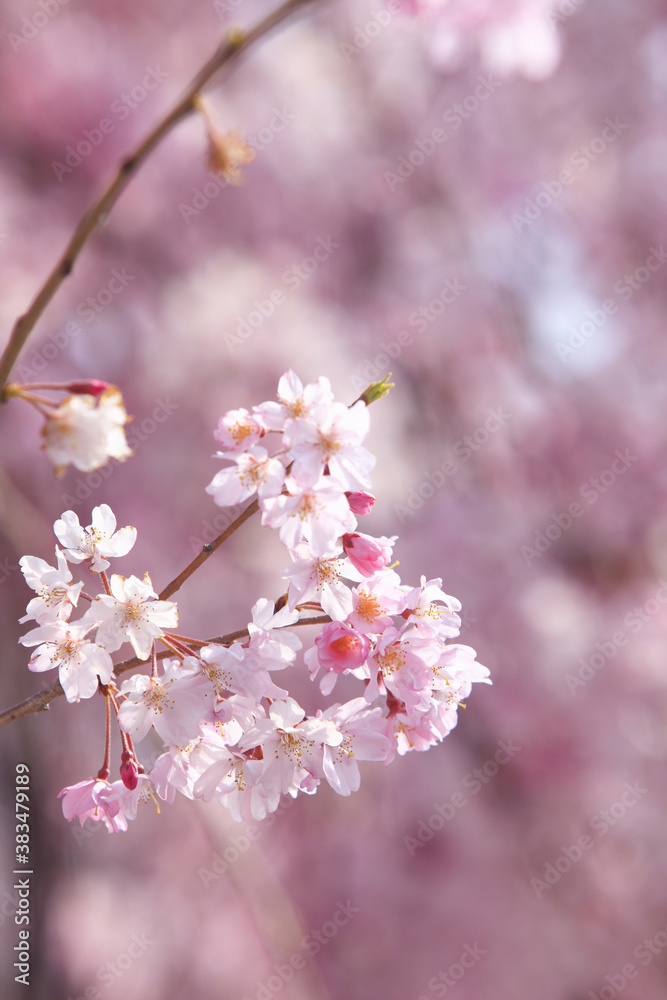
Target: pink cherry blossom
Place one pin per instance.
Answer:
(432, 609)
(333, 441)
(238, 430)
(288, 741)
(360, 502)
(341, 648)
(319, 579)
(86, 431)
(172, 704)
(98, 542)
(294, 401)
(376, 601)
(80, 662)
(253, 472)
(87, 801)
(318, 515)
(364, 738)
(56, 595)
(272, 646)
(128, 799)
(234, 669)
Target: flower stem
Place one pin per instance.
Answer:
(105, 770)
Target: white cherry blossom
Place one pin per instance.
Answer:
(253, 472)
(238, 430)
(318, 515)
(80, 662)
(289, 743)
(294, 401)
(335, 440)
(173, 704)
(318, 578)
(56, 594)
(131, 613)
(98, 542)
(86, 431)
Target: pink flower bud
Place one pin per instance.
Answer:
(341, 648)
(367, 554)
(360, 503)
(92, 387)
(129, 773)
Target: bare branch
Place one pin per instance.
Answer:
(225, 55)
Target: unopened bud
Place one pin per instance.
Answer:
(129, 773)
(377, 390)
(360, 502)
(92, 387)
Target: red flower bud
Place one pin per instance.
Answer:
(92, 387)
(129, 773)
(360, 502)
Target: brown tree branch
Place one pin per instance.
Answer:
(226, 54)
(207, 551)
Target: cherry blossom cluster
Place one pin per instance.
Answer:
(230, 732)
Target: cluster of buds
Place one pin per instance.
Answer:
(230, 732)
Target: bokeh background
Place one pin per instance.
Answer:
(533, 380)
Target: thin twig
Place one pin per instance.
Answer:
(207, 551)
(225, 54)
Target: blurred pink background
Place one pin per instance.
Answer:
(520, 458)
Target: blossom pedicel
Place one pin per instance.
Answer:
(229, 731)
